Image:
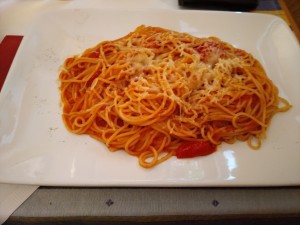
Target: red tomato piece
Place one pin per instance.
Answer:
(94, 54)
(195, 148)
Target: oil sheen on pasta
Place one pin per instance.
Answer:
(155, 89)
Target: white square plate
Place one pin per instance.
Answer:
(36, 148)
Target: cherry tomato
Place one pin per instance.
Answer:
(195, 148)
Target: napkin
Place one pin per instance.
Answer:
(11, 197)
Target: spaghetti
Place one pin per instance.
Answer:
(154, 89)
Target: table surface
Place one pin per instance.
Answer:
(48, 205)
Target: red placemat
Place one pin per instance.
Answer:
(8, 49)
